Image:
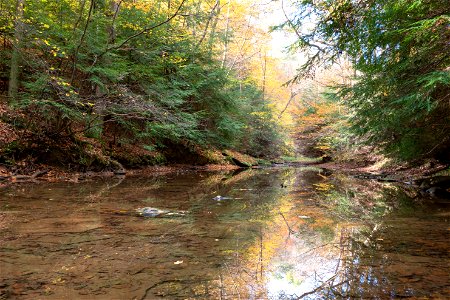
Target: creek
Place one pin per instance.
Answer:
(275, 233)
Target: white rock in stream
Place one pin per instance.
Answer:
(150, 211)
(156, 212)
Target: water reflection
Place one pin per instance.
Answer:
(274, 234)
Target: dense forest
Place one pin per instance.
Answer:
(141, 82)
(105, 83)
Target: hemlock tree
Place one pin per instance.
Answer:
(401, 54)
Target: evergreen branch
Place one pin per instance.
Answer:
(297, 33)
(143, 31)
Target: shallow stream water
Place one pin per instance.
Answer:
(283, 233)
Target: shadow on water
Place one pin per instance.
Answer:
(287, 233)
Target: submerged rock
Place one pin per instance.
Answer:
(220, 198)
(120, 172)
(153, 212)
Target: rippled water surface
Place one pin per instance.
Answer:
(272, 234)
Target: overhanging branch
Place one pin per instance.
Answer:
(143, 31)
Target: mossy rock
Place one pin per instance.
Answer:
(445, 172)
(213, 156)
(239, 159)
(135, 156)
(264, 162)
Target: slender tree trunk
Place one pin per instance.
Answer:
(264, 69)
(227, 28)
(212, 34)
(13, 86)
(97, 120)
(114, 7)
(208, 21)
(193, 21)
(80, 16)
(75, 56)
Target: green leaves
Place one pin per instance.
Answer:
(400, 51)
(102, 69)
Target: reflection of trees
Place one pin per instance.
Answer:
(257, 232)
(338, 226)
(320, 252)
(332, 287)
(354, 275)
(360, 273)
(233, 249)
(236, 234)
(341, 277)
(342, 201)
(361, 200)
(298, 237)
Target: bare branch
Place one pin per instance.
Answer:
(297, 33)
(211, 15)
(293, 94)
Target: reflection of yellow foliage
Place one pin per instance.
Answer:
(58, 280)
(323, 147)
(323, 186)
(274, 235)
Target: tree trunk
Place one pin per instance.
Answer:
(208, 21)
(264, 69)
(213, 30)
(114, 10)
(225, 46)
(13, 86)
